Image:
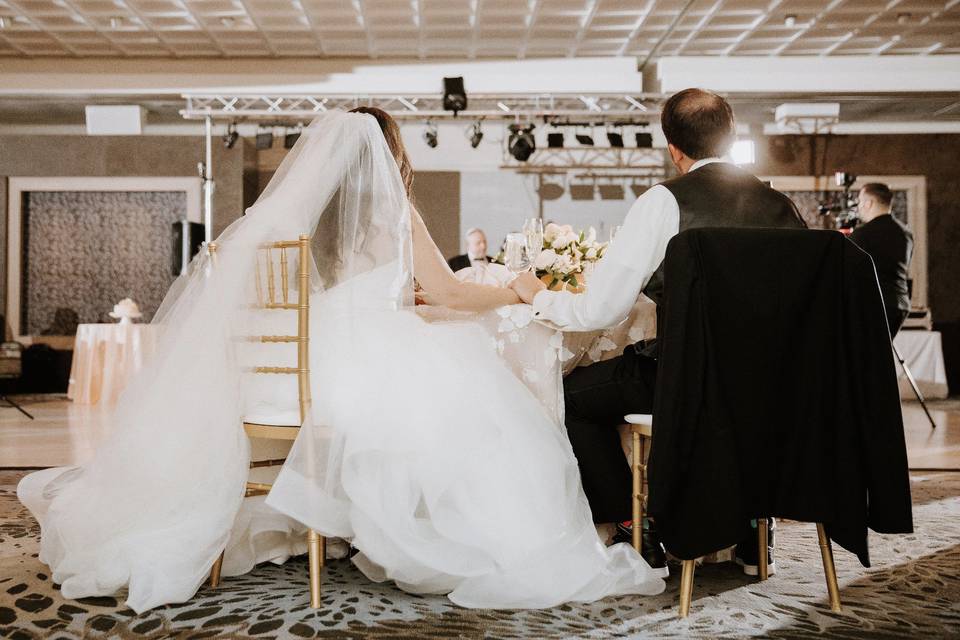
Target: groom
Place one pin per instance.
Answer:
(700, 129)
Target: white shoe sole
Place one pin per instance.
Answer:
(662, 572)
(753, 570)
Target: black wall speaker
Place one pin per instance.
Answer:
(454, 95)
(187, 238)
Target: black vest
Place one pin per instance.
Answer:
(723, 195)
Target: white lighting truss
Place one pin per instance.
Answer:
(592, 161)
(598, 108)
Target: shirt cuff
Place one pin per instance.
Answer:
(542, 302)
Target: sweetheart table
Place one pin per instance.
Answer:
(105, 357)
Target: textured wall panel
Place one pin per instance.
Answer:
(87, 250)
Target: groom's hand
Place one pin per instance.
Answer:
(527, 286)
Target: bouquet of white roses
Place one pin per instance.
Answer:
(566, 254)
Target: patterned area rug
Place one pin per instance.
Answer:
(913, 591)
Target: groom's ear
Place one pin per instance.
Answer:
(676, 156)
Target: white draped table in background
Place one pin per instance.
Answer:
(105, 356)
(923, 353)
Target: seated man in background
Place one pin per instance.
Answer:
(476, 255)
(890, 243)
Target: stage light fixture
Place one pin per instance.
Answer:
(475, 134)
(551, 191)
(454, 95)
(430, 135)
(522, 144)
(582, 191)
(231, 136)
(615, 139)
(644, 140)
(555, 140)
(584, 139)
(264, 139)
(611, 191)
(290, 139)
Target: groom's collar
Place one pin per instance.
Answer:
(703, 162)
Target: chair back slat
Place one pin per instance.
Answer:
(257, 278)
(284, 282)
(271, 292)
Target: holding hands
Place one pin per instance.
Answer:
(527, 285)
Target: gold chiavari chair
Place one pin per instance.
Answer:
(267, 299)
(640, 427)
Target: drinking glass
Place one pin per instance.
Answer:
(614, 231)
(533, 230)
(517, 253)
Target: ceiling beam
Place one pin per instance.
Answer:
(707, 17)
(637, 27)
(590, 12)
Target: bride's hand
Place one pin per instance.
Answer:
(527, 286)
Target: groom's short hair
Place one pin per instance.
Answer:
(699, 123)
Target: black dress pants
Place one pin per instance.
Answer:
(597, 397)
(895, 319)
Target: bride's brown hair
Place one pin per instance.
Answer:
(391, 131)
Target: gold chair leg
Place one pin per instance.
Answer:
(316, 547)
(686, 587)
(637, 484)
(215, 571)
(829, 569)
(763, 570)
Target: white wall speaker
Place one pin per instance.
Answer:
(115, 120)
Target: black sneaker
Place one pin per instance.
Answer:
(746, 553)
(651, 549)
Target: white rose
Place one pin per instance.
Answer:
(551, 232)
(563, 240)
(563, 265)
(546, 258)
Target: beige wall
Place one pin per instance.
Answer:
(85, 156)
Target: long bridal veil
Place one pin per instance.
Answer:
(154, 506)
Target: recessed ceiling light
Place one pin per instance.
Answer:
(116, 22)
(903, 18)
(789, 20)
(3, 22)
(227, 22)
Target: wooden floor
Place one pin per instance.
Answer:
(64, 433)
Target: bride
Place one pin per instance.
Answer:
(484, 506)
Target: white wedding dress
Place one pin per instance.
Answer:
(422, 447)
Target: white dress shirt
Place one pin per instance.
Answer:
(626, 267)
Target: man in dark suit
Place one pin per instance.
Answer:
(890, 243)
(709, 192)
(476, 251)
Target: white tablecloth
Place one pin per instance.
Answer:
(105, 356)
(923, 353)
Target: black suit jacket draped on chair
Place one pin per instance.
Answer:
(776, 391)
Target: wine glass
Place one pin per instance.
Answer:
(517, 253)
(614, 231)
(533, 230)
